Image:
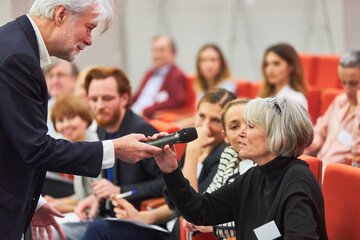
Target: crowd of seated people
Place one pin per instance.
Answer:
(208, 147)
(108, 94)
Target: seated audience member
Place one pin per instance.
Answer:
(283, 74)
(109, 94)
(208, 118)
(212, 71)
(337, 133)
(280, 194)
(71, 117)
(60, 78)
(164, 86)
(80, 83)
(230, 166)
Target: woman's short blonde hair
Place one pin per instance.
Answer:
(287, 125)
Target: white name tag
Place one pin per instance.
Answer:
(268, 231)
(162, 97)
(344, 137)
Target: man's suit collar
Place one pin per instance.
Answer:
(25, 24)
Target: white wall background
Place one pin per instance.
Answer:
(242, 28)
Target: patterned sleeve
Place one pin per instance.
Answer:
(228, 166)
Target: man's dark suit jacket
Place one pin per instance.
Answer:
(144, 177)
(26, 151)
(175, 85)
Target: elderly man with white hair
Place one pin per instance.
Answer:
(60, 28)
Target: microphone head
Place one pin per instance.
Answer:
(187, 134)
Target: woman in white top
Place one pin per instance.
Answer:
(212, 71)
(71, 117)
(283, 74)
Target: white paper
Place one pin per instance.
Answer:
(69, 217)
(141, 224)
(268, 231)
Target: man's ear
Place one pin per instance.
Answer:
(60, 14)
(124, 99)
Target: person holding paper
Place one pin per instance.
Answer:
(210, 146)
(337, 132)
(280, 197)
(109, 93)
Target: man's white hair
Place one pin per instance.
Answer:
(46, 8)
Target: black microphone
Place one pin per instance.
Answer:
(182, 136)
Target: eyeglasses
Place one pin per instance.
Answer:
(276, 105)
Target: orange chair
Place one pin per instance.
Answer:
(163, 126)
(315, 166)
(314, 99)
(342, 197)
(243, 88)
(176, 114)
(191, 94)
(255, 89)
(326, 73)
(309, 65)
(152, 203)
(327, 96)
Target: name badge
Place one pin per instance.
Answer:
(268, 231)
(344, 137)
(162, 96)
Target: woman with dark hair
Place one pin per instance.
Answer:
(212, 71)
(283, 74)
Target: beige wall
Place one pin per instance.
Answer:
(242, 28)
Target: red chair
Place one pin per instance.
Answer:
(163, 126)
(326, 73)
(314, 100)
(191, 94)
(243, 89)
(309, 65)
(176, 114)
(315, 166)
(255, 89)
(342, 197)
(327, 96)
(180, 149)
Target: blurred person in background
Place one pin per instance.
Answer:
(337, 132)
(61, 79)
(212, 71)
(283, 75)
(164, 86)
